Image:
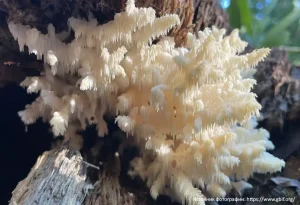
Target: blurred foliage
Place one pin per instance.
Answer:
(240, 15)
(267, 23)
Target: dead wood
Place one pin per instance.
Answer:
(58, 177)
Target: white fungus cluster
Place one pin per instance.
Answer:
(189, 108)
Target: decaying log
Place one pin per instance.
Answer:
(271, 76)
(58, 177)
(209, 13)
(278, 89)
(107, 191)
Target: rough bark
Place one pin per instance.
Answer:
(208, 13)
(107, 191)
(272, 76)
(278, 89)
(58, 177)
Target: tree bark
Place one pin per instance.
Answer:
(278, 91)
(58, 177)
(208, 13)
